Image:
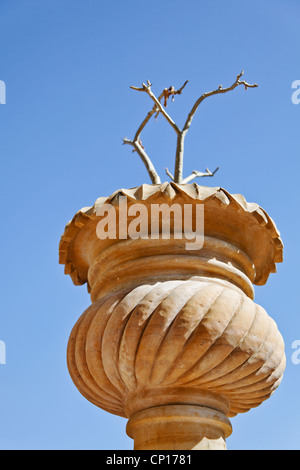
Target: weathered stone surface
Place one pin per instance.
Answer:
(173, 336)
(178, 338)
(228, 216)
(179, 427)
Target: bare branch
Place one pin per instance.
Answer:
(178, 92)
(167, 92)
(157, 108)
(199, 174)
(140, 143)
(160, 108)
(147, 118)
(172, 92)
(137, 88)
(219, 90)
(169, 174)
(181, 136)
(141, 151)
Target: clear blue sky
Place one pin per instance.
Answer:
(67, 65)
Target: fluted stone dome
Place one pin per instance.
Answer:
(191, 334)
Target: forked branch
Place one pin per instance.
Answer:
(157, 108)
(181, 133)
(138, 147)
(199, 174)
(181, 137)
(195, 174)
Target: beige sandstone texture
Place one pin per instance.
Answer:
(173, 340)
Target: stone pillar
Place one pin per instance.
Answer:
(173, 340)
(180, 427)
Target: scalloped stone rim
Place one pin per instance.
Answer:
(170, 191)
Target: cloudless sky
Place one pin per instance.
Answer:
(67, 66)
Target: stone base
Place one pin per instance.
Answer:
(179, 427)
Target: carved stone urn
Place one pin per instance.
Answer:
(172, 340)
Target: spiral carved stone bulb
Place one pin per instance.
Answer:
(173, 340)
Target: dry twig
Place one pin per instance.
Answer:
(181, 133)
(199, 174)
